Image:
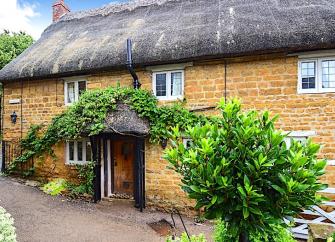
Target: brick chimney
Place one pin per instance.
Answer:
(59, 8)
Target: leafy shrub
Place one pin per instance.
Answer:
(75, 190)
(278, 234)
(331, 238)
(55, 187)
(240, 170)
(86, 176)
(184, 238)
(7, 229)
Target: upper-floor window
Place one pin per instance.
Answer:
(73, 89)
(316, 75)
(78, 151)
(168, 85)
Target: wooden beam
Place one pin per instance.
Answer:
(105, 160)
(97, 169)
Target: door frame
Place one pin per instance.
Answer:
(104, 168)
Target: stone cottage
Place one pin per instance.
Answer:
(273, 54)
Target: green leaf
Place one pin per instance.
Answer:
(245, 213)
(246, 181)
(241, 191)
(255, 210)
(214, 199)
(279, 189)
(195, 188)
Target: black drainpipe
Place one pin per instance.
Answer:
(130, 67)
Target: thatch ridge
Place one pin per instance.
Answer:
(112, 8)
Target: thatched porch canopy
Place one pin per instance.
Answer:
(170, 31)
(126, 121)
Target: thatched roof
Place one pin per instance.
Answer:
(125, 121)
(170, 31)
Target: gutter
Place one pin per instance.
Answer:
(130, 67)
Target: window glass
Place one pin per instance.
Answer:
(73, 90)
(328, 74)
(70, 92)
(176, 84)
(71, 151)
(88, 151)
(81, 87)
(80, 151)
(308, 75)
(161, 85)
(187, 143)
(300, 139)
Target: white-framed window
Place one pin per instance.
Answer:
(78, 152)
(73, 88)
(168, 85)
(316, 75)
(300, 136)
(187, 142)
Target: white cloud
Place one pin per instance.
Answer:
(16, 16)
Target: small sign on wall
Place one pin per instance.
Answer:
(14, 101)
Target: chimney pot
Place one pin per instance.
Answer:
(59, 9)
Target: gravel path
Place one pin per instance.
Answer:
(40, 217)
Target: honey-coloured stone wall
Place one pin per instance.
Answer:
(261, 82)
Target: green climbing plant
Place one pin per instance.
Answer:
(87, 116)
(86, 176)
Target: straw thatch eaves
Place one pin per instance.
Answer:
(125, 121)
(170, 31)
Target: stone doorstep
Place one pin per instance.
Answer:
(111, 200)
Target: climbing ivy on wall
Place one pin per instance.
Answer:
(86, 117)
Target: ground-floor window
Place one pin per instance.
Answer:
(78, 151)
(300, 136)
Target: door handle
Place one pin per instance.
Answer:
(114, 161)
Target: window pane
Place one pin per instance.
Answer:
(161, 85)
(308, 83)
(308, 75)
(70, 92)
(80, 150)
(304, 65)
(325, 63)
(328, 74)
(176, 84)
(187, 143)
(81, 87)
(88, 151)
(310, 72)
(289, 140)
(311, 65)
(71, 151)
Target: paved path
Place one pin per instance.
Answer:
(40, 217)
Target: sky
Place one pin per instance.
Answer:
(33, 16)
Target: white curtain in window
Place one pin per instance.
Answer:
(176, 84)
(70, 92)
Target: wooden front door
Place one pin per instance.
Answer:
(123, 161)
